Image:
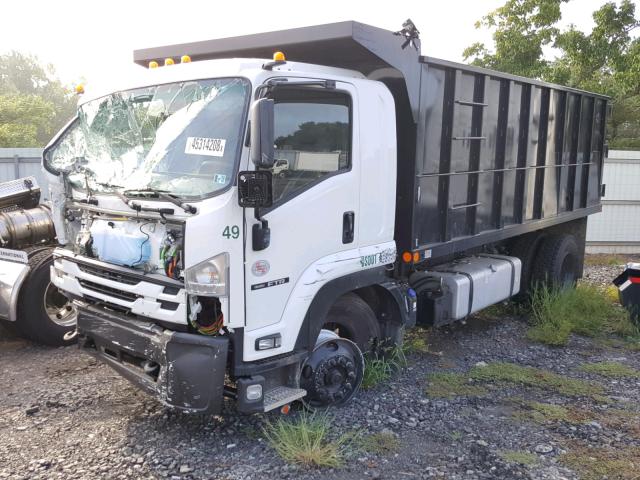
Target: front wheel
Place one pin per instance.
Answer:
(45, 315)
(333, 372)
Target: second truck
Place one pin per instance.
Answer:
(199, 274)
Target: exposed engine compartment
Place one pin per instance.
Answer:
(153, 246)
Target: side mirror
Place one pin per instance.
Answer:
(262, 133)
(255, 189)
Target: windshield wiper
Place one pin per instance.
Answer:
(162, 195)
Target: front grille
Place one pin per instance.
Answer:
(109, 274)
(96, 302)
(112, 292)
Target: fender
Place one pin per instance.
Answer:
(331, 291)
(12, 276)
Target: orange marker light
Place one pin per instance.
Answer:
(168, 61)
(185, 59)
(406, 257)
(153, 64)
(285, 409)
(79, 89)
(279, 57)
(416, 257)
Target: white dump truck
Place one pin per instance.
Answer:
(198, 274)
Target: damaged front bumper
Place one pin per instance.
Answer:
(182, 370)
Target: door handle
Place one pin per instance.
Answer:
(348, 223)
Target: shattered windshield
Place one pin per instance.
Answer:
(181, 138)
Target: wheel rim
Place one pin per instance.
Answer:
(333, 373)
(58, 307)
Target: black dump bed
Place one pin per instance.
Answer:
(482, 155)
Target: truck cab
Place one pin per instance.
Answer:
(160, 257)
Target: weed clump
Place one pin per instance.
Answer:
(379, 367)
(586, 310)
(519, 457)
(305, 440)
(597, 463)
(381, 443)
(611, 369)
(449, 385)
(504, 372)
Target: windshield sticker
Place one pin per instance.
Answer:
(219, 178)
(213, 147)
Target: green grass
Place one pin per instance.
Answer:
(452, 384)
(611, 369)
(543, 413)
(449, 385)
(305, 440)
(498, 311)
(519, 457)
(596, 463)
(607, 259)
(586, 310)
(416, 341)
(380, 367)
(381, 443)
(503, 372)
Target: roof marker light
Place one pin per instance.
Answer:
(79, 89)
(279, 57)
(168, 61)
(153, 64)
(185, 59)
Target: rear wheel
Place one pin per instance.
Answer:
(557, 262)
(44, 314)
(526, 249)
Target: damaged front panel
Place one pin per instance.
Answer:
(184, 371)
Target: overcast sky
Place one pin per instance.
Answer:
(95, 40)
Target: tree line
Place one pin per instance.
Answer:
(34, 104)
(605, 60)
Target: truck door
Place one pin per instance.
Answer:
(314, 217)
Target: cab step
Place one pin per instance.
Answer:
(280, 396)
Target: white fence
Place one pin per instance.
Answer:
(617, 228)
(23, 162)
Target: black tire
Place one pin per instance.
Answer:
(34, 321)
(352, 318)
(526, 249)
(557, 262)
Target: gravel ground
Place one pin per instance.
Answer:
(62, 415)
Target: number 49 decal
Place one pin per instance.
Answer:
(231, 232)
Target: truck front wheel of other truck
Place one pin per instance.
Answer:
(30, 304)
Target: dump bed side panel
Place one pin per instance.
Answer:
(498, 156)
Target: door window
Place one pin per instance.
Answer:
(312, 139)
